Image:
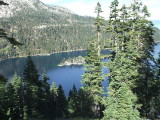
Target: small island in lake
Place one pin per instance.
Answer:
(73, 61)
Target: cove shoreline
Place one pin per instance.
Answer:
(47, 54)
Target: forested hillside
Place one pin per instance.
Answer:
(44, 29)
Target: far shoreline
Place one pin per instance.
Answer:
(48, 54)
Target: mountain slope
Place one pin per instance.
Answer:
(43, 29)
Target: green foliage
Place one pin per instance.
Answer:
(12, 99)
(99, 22)
(52, 105)
(72, 101)
(25, 116)
(130, 63)
(47, 34)
(61, 103)
(155, 94)
(130, 69)
(15, 98)
(32, 88)
(30, 75)
(92, 79)
(99, 19)
(84, 104)
(134, 82)
(4, 35)
(3, 98)
(80, 104)
(121, 104)
(44, 98)
(31, 98)
(143, 44)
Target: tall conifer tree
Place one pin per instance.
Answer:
(98, 23)
(44, 97)
(155, 93)
(84, 104)
(121, 103)
(133, 52)
(72, 101)
(92, 79)
(53, 104)
(61, 103)
(141, 46)
(3, 98)
(18, 96)
(32, 88)
(123, 67)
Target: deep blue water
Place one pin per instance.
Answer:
(66, 75)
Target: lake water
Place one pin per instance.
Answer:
(66, 75)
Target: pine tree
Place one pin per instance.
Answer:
(10, 101)
(132, 36)
(84, 107)
(30, 75)
(155, 93)
(121, 103)
(123, 67)
(17, 97)
(44, 97)
(3, 98)
(157, 112)
(53, 106)
(32, 87)
(54, 90)
(72, 101)
(61, 103)
(113, 25)
(98, 23)
(92, 79)
(142, 43)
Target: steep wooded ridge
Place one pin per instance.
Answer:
(43, 28)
